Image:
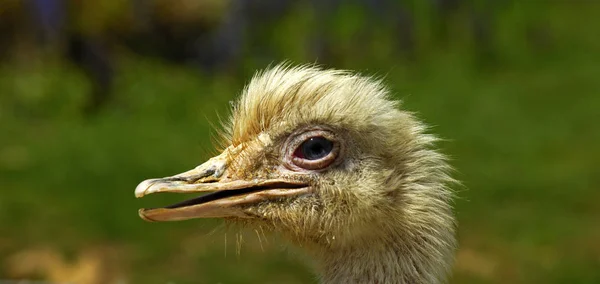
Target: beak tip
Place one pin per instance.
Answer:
(142, 188)
(143, 215)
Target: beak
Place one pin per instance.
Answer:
(225, 197)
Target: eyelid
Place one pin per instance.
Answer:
(299, 163)
(316, 164)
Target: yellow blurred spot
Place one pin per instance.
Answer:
(89, 267)
(475, 263)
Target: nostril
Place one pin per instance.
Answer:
(171, 179)
(207, 173)
(195, 178)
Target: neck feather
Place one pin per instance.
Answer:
(395, 257)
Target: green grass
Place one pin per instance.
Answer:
(522, 132)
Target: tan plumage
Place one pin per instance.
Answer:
(378, 213)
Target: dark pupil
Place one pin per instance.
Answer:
(316, 148)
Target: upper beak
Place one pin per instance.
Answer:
(228, 195)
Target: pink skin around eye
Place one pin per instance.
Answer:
(298, 153)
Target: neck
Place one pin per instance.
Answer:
(394, 258)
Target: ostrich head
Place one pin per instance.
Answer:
(325, 158)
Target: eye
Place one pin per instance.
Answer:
(314, 148)
(315, 151)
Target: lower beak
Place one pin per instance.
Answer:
(227, 198)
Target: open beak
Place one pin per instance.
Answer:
(225, 197)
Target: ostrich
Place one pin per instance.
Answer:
(326, 159)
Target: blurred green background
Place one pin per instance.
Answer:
(97, 96)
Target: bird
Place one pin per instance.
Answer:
(329, 160)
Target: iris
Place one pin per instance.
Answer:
(314, 148)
